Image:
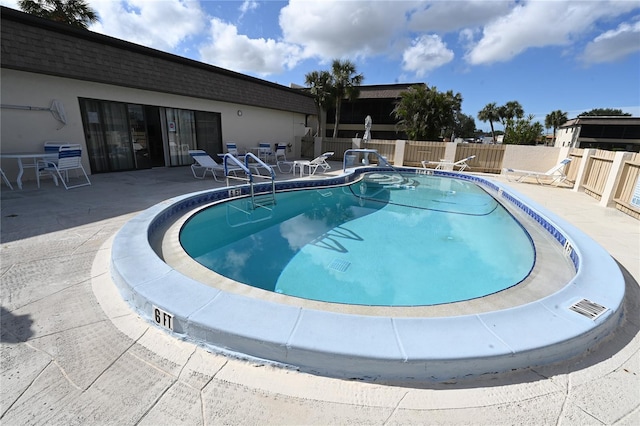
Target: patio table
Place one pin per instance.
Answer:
(33, 164)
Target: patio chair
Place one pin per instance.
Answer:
(264, 151)
(52, 147)
(448, 165)
(554, 175)
(69, 158)
(6, 180)
(281, 159)
(202, 161)
(313, 165)
(232, 148)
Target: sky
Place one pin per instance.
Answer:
(548, 55)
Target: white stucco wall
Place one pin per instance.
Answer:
(528, 157)
(26, 130)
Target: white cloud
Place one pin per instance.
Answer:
(425, 54)
(446, 16)
(161, 25)
(237, 52)
(540, 24)
(336, 29)
(488, 31)
(613, 45)
(248, 5)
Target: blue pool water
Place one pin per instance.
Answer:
(383, 241)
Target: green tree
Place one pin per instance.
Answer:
(76, 13)
(524, 131)
(345, 84)
(426, 114)
(465, 126)
(448, 110)
(605, 112)
(555, 119)
(491, 114)
(508, 113)
(320, 86)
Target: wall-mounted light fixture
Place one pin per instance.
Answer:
(239, 113)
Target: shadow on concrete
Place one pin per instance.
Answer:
(15, 328)
(31, 212)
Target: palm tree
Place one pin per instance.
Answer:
(411, 112)
(320, 86)
(345, 83)
(508, 112)
(555, 119)
(450, 105)
(491, 114)
(76, 13)
(426, 114)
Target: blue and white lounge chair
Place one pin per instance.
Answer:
(203, 162)
(554, 175)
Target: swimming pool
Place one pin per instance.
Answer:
(517, 328)
(386, 240)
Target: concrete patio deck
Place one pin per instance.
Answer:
(72, 352)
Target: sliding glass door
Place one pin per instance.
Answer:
(123, 136)
(181, 134)
(107, 134)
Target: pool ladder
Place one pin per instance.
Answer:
(261, 200)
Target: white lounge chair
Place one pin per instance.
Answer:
(313, 165)
(69, 158)
(554, 175)
(202, 161)
(448, 165)
(281, 159)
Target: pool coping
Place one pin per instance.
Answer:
(362, 346)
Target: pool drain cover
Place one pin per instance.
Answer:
(339, 265)
(588, 308)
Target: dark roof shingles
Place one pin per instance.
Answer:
(40, 46)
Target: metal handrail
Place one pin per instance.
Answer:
(365, 151)
(261, 163)
(246, 168)
(234, 160)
